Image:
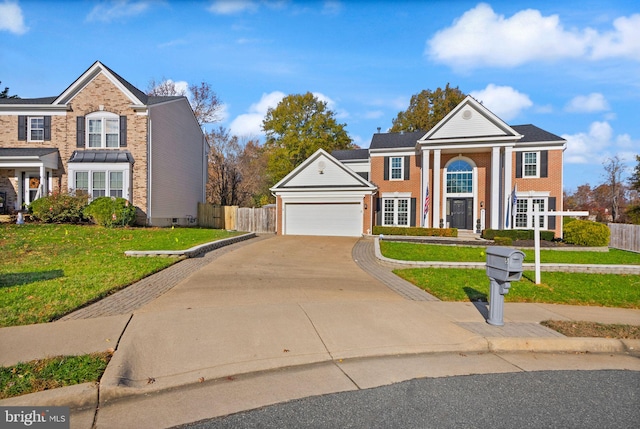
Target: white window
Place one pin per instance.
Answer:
(110, 182)
(531, 164)
(524, 212)
(459, 178)
(36, 129)
(103, 130)
(395, 212)
(397, 167)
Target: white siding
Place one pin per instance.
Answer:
(476, 125)
(176, 162)
(332, 175)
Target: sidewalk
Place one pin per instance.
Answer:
(232, 335)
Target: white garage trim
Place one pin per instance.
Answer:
(323, 218)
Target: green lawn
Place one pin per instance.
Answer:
(607, 290)
(47, 271)
(434, 252)
(51, 373)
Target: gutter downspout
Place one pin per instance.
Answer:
(149, 168)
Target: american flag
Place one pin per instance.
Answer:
(426, 201)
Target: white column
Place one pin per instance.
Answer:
(425, 184)
(436, 189)
(495, 188)
(508, 186)
(42, 191)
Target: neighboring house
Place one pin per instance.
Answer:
(472, 170)
(104, 137)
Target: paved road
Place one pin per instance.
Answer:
(548, 399)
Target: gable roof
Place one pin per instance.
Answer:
(395, 140)
(470, 121)
(351, 154)
(533, 134)
(322, 171)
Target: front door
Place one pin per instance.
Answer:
(461, 213)
(31, 187)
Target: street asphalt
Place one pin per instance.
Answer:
(271, 319)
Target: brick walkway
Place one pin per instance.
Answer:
(146, 290)
(364, 255)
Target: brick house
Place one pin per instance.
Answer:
(105, 137)
(469, 169)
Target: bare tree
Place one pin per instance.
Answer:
(614, 169)
(204, 102)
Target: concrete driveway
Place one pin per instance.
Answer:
(278, 270)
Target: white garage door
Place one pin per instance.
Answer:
(336, 219)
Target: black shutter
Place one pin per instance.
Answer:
(123, 131)
(407, 167)
(47, 127)
(378, 211)
(413, 212)
(80, 131)
(544, 162)
(22, 127)
(386, 168)
(518, 165)
(552, 219)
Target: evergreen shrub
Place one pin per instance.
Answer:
(111, 212)
(587, 233)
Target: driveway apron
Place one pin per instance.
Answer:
(278, 302)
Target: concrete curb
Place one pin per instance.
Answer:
(79, 396)
(563, 345)
(567, 268)
(193, 251)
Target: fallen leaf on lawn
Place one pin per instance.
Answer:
(201, 379)
(151, 380)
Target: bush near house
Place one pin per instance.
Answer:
(516, 234)
(586, 233)
(59, 208)
(110, 212)
(502, 241)
(424, 232)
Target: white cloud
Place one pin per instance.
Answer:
(332, 7)
(503, 101)
(591, 147)
(594, 102)
(481, 37)
(623, 42)
(250, 123)
(116, 9)
(11, 19)
(230, 7)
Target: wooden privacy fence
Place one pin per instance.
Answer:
(262, 219)
(625, 236)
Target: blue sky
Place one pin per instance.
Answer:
(569, 67)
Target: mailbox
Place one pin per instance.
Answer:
(504, 263)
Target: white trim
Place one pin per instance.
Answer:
(395, 195)
(373, 153)
(391, 168)
(33, 110)
(396, 201)
(106, 167)
(537, 164)
(495, 189)
(436, 204)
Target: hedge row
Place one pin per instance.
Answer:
(428, 232)
(65, 208)
(516, 234)
(587, 233)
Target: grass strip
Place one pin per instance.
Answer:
(606, 290)
(51, 373)
(47, 271)
(433, 252)
(593, 329)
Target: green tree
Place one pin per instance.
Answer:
(634, 180)
(5, 93)
(297, 127)
(427, 108)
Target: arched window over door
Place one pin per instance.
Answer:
(459, 177)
